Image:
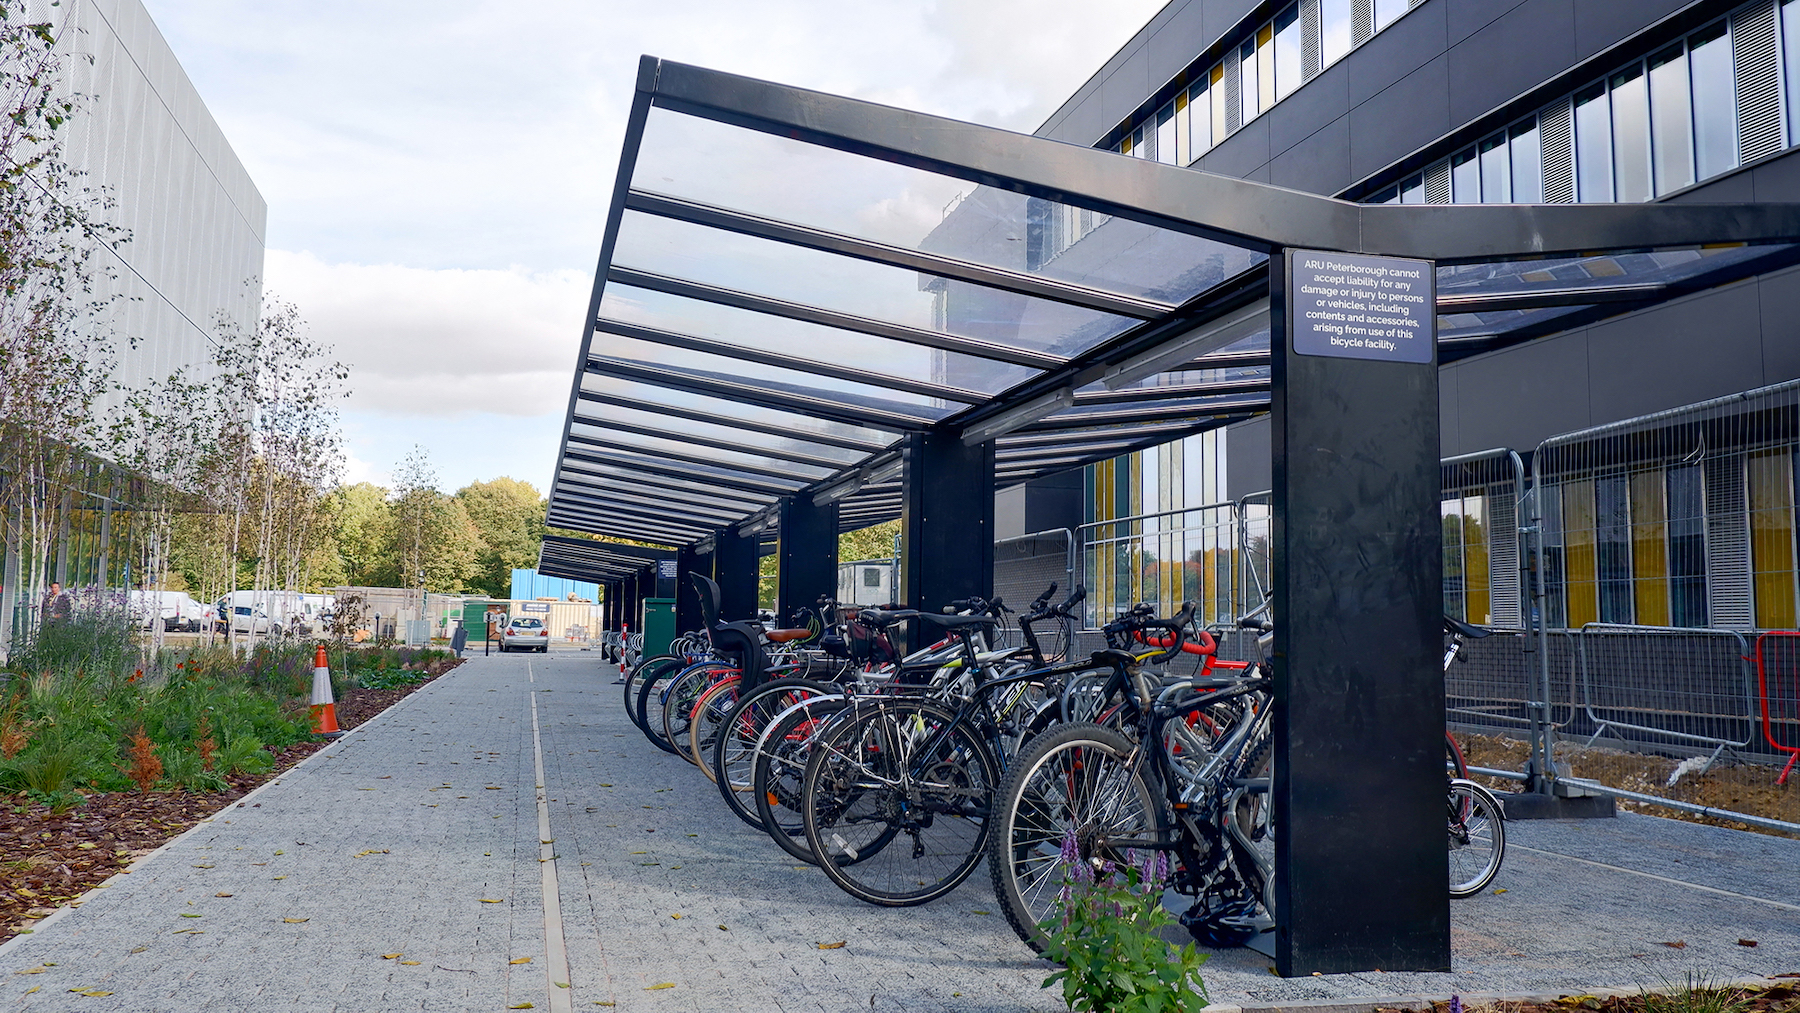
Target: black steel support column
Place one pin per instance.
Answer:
(946, 520)
(634, 595)
(806, 556)
(687, 600)
(1359, 689)
(735, 567)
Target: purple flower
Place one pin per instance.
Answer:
(1456, 1005)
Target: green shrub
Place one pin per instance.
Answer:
(1107, 935)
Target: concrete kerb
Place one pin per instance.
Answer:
(24, 938)
(1470, 1000)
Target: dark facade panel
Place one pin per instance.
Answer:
(1317, 162)
(1300, 115)
(1449, 417)
(1466, 17)
(1397, 51)
(1242, 153)
(1777, 179)
(1125, 90)
(1247, 460)
(1702, 347)
(1513, 54)
(1599, 25)
(1779, 296)
(1404, 118)
(1519, 397)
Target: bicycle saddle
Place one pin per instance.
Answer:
(1455, 625)
(1108, 656)
(783, 636)
(882, 618)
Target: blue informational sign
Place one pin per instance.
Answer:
(1351, 306)
(666, 569)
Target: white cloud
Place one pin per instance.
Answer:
(434, 343)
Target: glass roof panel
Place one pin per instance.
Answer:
(1186, 377)
(847, 285)
(614, 417)
(1618, 270)
(779, 177)
(705, 365)
(1195, 407)
(736, 413)
(831, 345)
(681, 451)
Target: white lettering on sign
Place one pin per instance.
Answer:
(1358, 307)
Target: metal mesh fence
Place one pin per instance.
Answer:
(1666, 685)
(1778, 694)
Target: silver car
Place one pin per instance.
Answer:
(525, 633)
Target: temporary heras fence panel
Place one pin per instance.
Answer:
(1664, 685)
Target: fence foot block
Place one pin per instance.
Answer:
(1523, 806)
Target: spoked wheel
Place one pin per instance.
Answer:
(903, 792)
(780, 771)
(1477, 838)
(646, 669)
(1074, 790)
(704, 719)
(654, 691)
(732, 746)
(679, 700)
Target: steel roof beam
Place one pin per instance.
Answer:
(671, 521)
(647, 494)
(700, 459)
(797, 456)
(673, 470)
(672, 510)
(1139, 395)
(768, 429)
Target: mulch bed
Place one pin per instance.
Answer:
(47, 859)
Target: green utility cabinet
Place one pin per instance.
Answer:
(474, 617)
(658, 624)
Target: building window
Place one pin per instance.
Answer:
(1649, 548)
(1218, 103)
(1249, 94)
(1388, 11)
(1687, 546)
(1790, 58)
(1200, 135)
(1166, 147)
(1334, 31)
(1771, 489)
(1466, 570)
(871, 576)
(1612, 548)
(1715, 100)
(1527, 162)
(1496, 171)
(1671, 120)
(1578, 532)
(1465, 178)
(1413, 190)
(1288, 69)
(1593, 145)
(1631, 136)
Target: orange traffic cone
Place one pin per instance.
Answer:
(324, 708)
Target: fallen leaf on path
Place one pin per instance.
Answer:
(676, 916)
(34, 970)
(599, 1002)
(1746, 942)
(1499, 889)
(1679, 944)
(492, 900)
(723, 929)
(202, 866)
(391, 956)
(221, 894)
(371, 851)
(139, 949)
(560, 984)
(520, 960)
(840, 944)
(280, 877)
(410, 963)
(32, 989)
(295, 921)
(521, 1005)
(184, 914)
(660, 984)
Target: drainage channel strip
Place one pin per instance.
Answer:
(556, 953)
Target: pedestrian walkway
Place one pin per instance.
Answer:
(418, 865)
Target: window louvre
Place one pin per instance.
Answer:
(1727, 543)
(1758, 81)
(1310, 48)
(1559, 154)
(1362, 21)
(1437, 184)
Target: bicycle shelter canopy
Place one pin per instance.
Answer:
(811, 310)
(791, 282)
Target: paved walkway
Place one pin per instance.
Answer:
(418, 865)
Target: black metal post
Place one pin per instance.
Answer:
(735, 567)
(805, 556)
(946, 520)
(687, 600)
(1359, 690)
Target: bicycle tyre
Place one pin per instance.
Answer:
(780, 772)
(1038, 810)
(655, 688)
(1477, 838)
(680, 699)
(733, 759)
(909, 842)
(636, 673)
(704, 721)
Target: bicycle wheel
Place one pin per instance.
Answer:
(780, 771)
(679, 701)
(903, 790)
(1076, 787)
(733, 749)
(1477, 838)
(653, 693)
(635, 675)
(703, 721)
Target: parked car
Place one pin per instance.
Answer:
(247, 619)
(525, 633)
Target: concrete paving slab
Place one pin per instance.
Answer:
(362, 880)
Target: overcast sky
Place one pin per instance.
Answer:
(437, 171)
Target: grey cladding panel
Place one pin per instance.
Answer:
(1523, 396)
(1466, 17)
(1397, 51)
(1320, 164)
(1300, 115)
(1242, 153)
(1514, 53)
(1647, 361)
(1400, 120)
(1599, 25)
